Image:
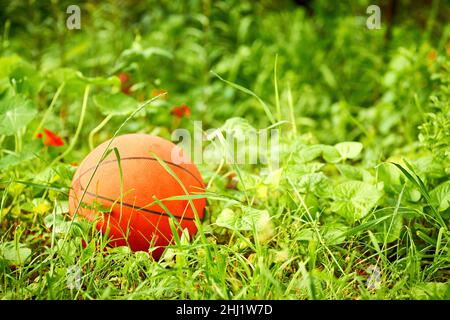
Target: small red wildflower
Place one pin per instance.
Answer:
(52, 139)
(38, 135)
(125, 86)
(181, 111)
(124, 77)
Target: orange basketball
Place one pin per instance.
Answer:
(136, 219)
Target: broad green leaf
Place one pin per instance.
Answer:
(62, 207)
(57, 223)
(15, 113)
(137, 50)
(316, 183)
(354, 199)
(412, 194)
(354, 173)
(237, 126)
(64, 74)
(330, 154)
(309, 153)
(30, 151)
(5, 89)
(390, 176)
(75, 81)
(73, 86)
(388, 230)
(115, 104)
(69, 75)
(14, 253)
(349, 150)
(440, 196)
(14, 159)
(26, 80)
(7, 64)
(68, 250)
(227, 218)
(262, 222)
(431, 291)
(244, 220)
(109, 81)
(251, 217)
(302, 168)
(334, 233)
(273, 178)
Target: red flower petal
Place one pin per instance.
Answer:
(124, 83)
(181, 111)
(52, 139)
(177, 112)
(186, 110)
(124, 77)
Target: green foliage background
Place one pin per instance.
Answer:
(364, 173)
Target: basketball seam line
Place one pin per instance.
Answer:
(143, 158)
(138, 209)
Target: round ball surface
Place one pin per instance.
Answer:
(128, 199)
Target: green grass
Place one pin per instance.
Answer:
(363, 182)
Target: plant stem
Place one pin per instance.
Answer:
(97, 129)
(49, 109)
(77, 133)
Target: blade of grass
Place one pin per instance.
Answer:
(119, 164)
(415, 179)
(249, 92)
(277, 96)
